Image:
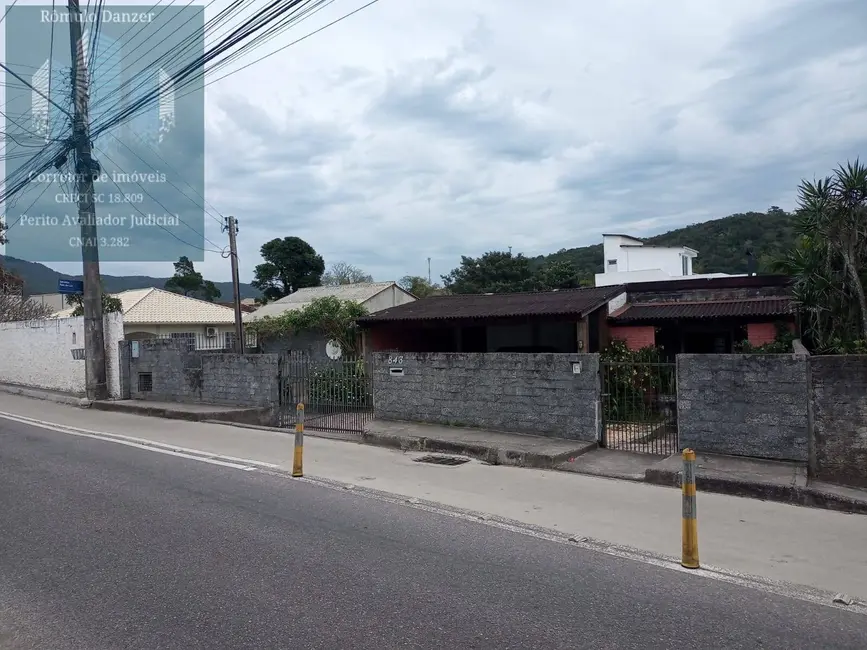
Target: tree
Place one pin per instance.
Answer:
(189, 282)
(420, 287)
(13, 305)
(493, 272)
(290, 264)
(829, 261)
(503, 272)
(344, 273)
(110, 304)
(557, 274)
(330, 316)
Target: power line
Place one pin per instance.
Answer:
(194, 70)
(110, 176)
(295, 42)
(174, 171)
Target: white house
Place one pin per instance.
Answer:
(629, 260)
(373, 296)
(156, 313)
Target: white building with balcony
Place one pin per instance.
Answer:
(628, 260)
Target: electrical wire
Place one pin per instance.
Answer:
(158, 202)
(174, 171)
(194, 70)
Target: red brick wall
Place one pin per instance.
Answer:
(636, 337)
(762, 333)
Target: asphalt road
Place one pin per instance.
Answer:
(106, 546)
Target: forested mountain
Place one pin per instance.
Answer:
(721, 244)
(38, 278)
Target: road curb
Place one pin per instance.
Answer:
(487, 454)
(57, 397)
(223, 417)
(791, 494)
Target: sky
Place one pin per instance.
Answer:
(441, 128)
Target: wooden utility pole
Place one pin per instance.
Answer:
(232, 227)
(85, 171)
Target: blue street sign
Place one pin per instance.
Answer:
(70, 286)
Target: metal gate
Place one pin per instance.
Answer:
(639, 407)
(337, 394)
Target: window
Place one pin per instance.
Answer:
(229, 340)
(145, 382)
(612, 265)
(189, 337)
(685, 262)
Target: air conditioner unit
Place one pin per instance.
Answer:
(211, 332)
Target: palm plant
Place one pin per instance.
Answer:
(829, 263)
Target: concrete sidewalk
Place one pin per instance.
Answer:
(808, 546)
(745, 477)
(760, 479)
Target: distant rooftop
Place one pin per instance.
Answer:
(158, 306)
(359, 292)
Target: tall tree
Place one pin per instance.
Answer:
(419, 286)
(290, 264)
(189, 282)
(556, 274)
(493, 272)
(344, 273)
(503, 272)
(829, 262)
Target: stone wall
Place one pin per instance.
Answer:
(838, 397)
(743, 405)
(537, 394)
(49, 354)
(180, 375)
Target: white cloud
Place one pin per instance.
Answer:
(435, 129)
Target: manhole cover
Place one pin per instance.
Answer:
(442, 460)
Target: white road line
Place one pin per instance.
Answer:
(138, 443)
(789, 590)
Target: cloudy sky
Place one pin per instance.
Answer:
(436, 128)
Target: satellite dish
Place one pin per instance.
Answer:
(333, 350)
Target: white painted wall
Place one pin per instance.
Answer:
(388, 298)
(141, 332)
(39, 353)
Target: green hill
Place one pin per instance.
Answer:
(721, 243)
(38, 278)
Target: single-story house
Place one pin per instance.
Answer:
(697, 315)
(156, 313)
(570, 320)
(702, 316)
(373, 296)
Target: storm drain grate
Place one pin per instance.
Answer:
(442, 460)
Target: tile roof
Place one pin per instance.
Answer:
(777, 306)
(157, 306)
(360, 292)
(576, 302)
